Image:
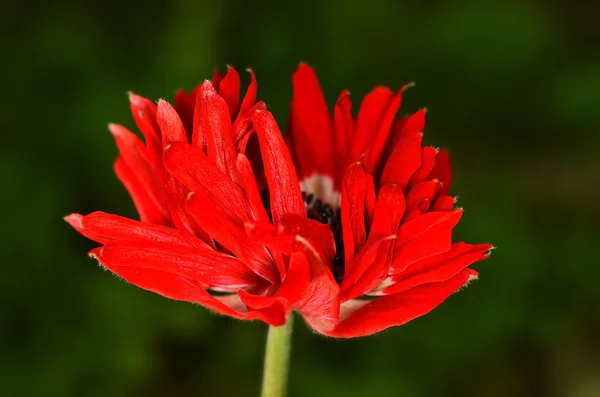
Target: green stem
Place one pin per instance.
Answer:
(277, 360)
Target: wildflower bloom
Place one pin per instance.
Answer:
(385, 198)
(204, 234)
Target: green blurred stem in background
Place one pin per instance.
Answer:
(277, 360)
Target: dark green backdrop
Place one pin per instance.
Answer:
(513, 90)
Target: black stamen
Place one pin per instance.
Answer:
(324, 213)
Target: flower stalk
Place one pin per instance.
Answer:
(277, 360)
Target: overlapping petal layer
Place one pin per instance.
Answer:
(394, 259)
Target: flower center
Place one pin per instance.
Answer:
(324, 213)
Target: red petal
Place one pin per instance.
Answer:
(317, 233)
(422, 191)
(138, 175)
(427, 235)
(232, 236)
(229, 90)
(146, 204)
(310, 130)
(439, 267)
(427, 162)
(104, 228)
(358, 199)
(250, 187)
(211, 268)
(177, 200)
(369, 268)
(398, 309)
(144, 114)
(284, 187)
(170, 124)
(442, 171)
(216, 79)
(388, 210)
(184, 105)
(404, 160)
(216, 125)
(193, 168)
(320, 304)
(380, 135)
(171, 286)
(443, 203)
(275, 309)
(371, 110)
(250, 97)
(344, 132)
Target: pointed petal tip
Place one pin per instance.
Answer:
(74, 220)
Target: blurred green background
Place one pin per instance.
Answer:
(513, 90)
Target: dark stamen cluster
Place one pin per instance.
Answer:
(324, 213)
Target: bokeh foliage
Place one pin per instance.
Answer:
(513, 90)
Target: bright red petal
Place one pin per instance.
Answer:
(382, 132)
(405, 158)
(442, 171)
(310, 128)
(370, 113)
(284, 187)
(104, 228)
(427, 235)
(393, 310)
(358, 200)
(139, 176)
(170, 124)
(144, 114)
(232, 236)
(171, 286)
(344, 132)
(320, 305)
(210, 268)
(194, 169)
(369, 268)
(229, 90)
(275, 309)
(216, 125)
(439, 267)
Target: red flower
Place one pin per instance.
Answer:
(384, 196)
(205, 235)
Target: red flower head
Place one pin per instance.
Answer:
(205, 235)
(384, 196)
